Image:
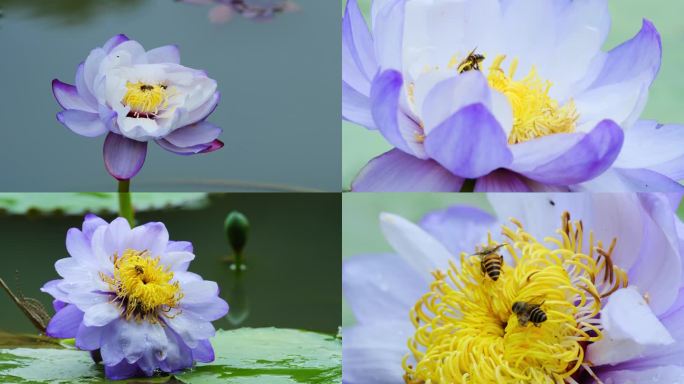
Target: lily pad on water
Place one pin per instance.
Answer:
(243, 356)
(95, 202)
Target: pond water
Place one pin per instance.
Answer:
(292, 255)
(278, 129)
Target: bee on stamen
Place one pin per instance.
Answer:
(529, 312)
(146, 87)
(471, 62)
(491, 261)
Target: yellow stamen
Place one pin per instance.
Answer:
(145, 99)
(143, 287)
(535, 113)
(466, 331)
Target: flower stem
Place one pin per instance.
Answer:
(468, 185)
(125, 204)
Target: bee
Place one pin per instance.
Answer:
(471, 62)
(491, 261)
(139, 269)
(146, 87)
(529, 312)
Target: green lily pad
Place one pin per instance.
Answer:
(243, 356)
(95, 202)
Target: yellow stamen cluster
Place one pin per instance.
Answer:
(535, 113)
(143, 288)
(466, 331)
(145, 99)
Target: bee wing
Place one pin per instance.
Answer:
(536, 301)
(488, 250)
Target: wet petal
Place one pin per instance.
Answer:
(380, 287)
(373, 353)
(418, 248)
(652, 145)
(64, 324)
(663, 374)
(629, 326)
(101, 314)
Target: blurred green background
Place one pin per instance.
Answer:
(664, 105)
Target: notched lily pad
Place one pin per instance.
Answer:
(243, 356)
(96, 202)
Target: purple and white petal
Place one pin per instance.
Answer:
(397, 128)
(629, 327)
(358, 60)
(380, 287)
(373, 353)
(68, 98)
(418, 248)
(151, 237)
(83, 123)
(471, 225)
(64, 324)
(191, 135)
(565, 159)
(165, 54)
(398, 171)
(502, 180)
(654, 146)
(101, 314)
(629, 180)
(203, 352)
(468, 152)
(123, 157)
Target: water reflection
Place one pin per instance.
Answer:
(257, 10)
(67, 12)
(237, 298)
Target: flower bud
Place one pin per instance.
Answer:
(237, 231)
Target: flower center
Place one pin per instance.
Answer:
(142, 286)
(535, 113)
(529, 325)
(145, 100)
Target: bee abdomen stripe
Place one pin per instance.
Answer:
(537, 315)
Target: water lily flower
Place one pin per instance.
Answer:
(510, 95)
(135, 96)
(224, 10)
(604, 269)
(126, 295)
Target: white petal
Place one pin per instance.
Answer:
(670, 374)
(101, 314)
(629, 327)
(373, 354)
(422, 251)
(620, 102)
